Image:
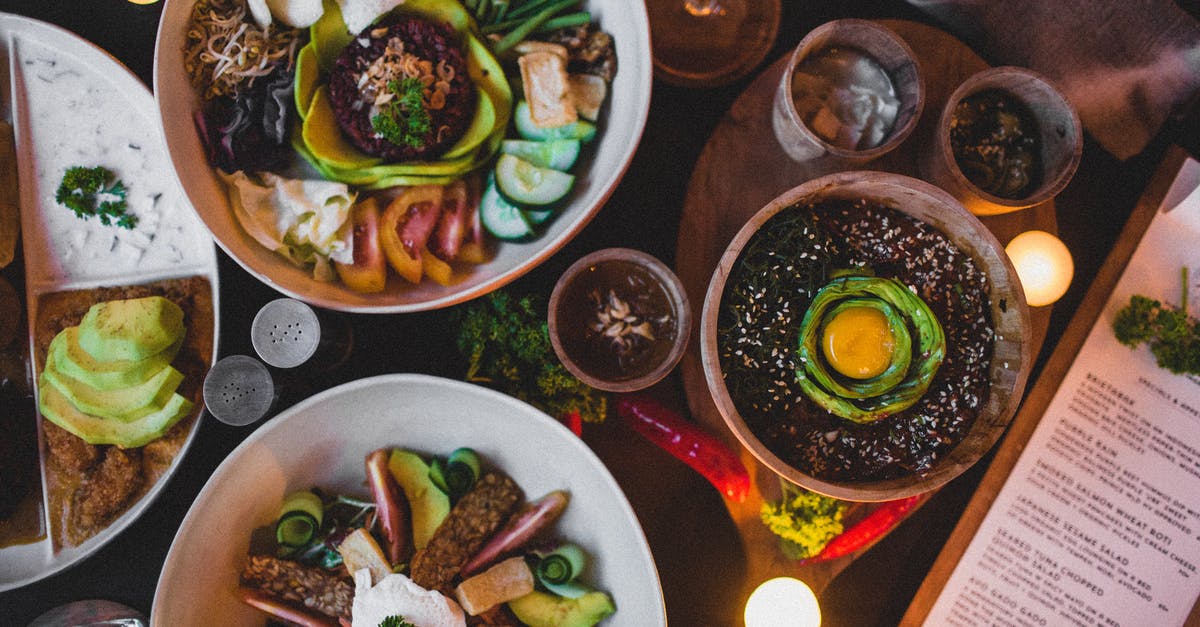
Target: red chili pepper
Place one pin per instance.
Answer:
(688, 442)
(866, 531)
(573, 421)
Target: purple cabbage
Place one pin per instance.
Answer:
(250, 131)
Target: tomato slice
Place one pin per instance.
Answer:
(452, 225)
(368, 273)
(406, 227)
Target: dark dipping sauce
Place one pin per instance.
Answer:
(616, 321)
(995, 142)
(766, 296)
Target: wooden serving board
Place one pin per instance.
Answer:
(741, 169)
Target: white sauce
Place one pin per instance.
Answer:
(78, 117)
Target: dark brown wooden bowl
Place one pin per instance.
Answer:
(1060, 132)
(1012, 352)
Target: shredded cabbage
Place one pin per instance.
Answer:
(301, 219)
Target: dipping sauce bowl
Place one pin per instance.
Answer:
(619, 319)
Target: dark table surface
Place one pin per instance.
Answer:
(693, 539)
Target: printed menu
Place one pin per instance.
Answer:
(1099, 521)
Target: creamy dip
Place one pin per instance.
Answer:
(71, 114)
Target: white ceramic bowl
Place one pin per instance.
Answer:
(324, 441)
(598, 172)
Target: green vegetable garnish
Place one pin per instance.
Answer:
(804, 521)
(95, 192)
(507, 344)
(404, 121)
(1173, 336)
(395, 621)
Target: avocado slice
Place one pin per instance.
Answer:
(540, 609)
(130, 329)
(95, 430)
(72, 360)
(428, 504)
(125, 404)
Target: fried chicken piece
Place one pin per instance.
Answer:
(104, 493)
(67, 450)
(476, 516)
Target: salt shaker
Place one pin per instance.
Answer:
(239, 390)
(287, 333)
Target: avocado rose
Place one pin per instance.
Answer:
(868, 348)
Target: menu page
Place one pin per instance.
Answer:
(1099, 521)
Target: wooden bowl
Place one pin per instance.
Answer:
(799, 141)
(1060, 132)
(1012, 350)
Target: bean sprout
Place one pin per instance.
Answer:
(225, 48)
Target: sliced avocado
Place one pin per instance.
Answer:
(308, 73)
(540, 609)
(72, 360)
(428, 504)
(95, 430)
(130, 329)
(125, 404)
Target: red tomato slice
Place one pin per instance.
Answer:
(407, 224)
(368, 273)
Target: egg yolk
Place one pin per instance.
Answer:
(858, 342)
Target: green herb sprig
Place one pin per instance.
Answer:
(95, 192)
(506, 341)
(395, 621)
(404, 121)
(1173, 335)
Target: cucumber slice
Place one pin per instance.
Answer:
(538, 217)
(500, 217)
(526, 184)
(556, 154)
(582, 130)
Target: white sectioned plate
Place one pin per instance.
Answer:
(620, 128)
(324, 442)
(71, 104)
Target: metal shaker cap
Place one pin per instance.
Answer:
(285, 333)
(239, 390)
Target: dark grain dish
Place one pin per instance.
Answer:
(87, 485)
(412, 48)
(793, 255)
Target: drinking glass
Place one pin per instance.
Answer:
(706, 43)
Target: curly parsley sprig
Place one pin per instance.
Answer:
(95, 192)
(404, 121)
(1173, 335)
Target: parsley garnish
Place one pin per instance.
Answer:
(404, 120)
(395, 621)
(1173, 335)
(95, 192)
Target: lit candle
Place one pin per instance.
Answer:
(783, 602)
(1043, 264)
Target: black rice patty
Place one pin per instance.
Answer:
(427, 40)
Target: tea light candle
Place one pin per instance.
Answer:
(1043, 264)
(783, 602)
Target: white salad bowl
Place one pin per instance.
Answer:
(324, 441)
(598, 172)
